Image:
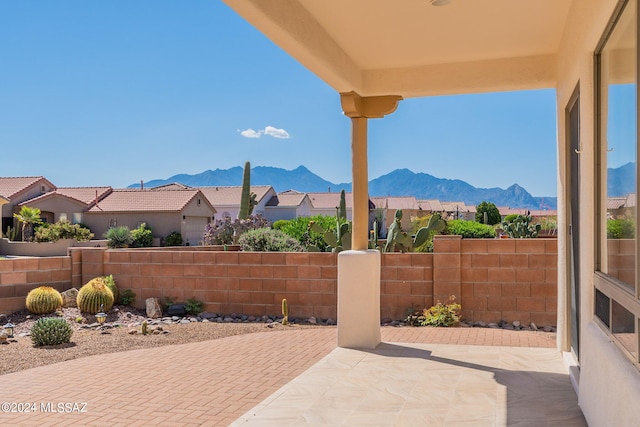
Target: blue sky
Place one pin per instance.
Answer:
(114, 92)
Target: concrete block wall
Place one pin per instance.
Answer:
(509, 279)
(19, 275)
(493, 279)
(251, 283)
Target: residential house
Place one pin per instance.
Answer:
(186, 211)
(18, 189)
(328, 204)
(375, 54)
(386, 207)
(288, 205)
(621, 207)
(68, 203)
(227, 199)
(458, 210)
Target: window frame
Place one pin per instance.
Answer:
(617, 291)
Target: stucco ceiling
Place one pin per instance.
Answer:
(412, 48)
(380, 34)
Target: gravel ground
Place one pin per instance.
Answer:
(19, 353)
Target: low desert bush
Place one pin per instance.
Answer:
(268, 240)
(438, 315)
(470, 229)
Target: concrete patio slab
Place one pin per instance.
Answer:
(479, 376)
(400, 384)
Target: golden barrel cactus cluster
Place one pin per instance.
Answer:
(43, 300)
(94, 294)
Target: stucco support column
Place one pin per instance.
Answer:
(359, 268)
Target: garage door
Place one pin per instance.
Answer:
(193, 229)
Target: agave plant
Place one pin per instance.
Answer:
(118, 237)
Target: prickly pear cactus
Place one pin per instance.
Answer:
(521, 227)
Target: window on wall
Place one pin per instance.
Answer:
(617, 295)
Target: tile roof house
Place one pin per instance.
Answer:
(18, 189)
(67, 202)
(458, 210)
(387, 206)
(166, 209)
(326, 203)
(431, 205)
(185, 211)
(227, 199)
(288, 205)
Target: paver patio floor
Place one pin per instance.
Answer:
(433, 376)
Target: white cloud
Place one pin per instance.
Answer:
(250, 133)
(276, 133)
(269, 130)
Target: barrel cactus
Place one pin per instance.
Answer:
(43, 300)
(50, 331)
(94, 294)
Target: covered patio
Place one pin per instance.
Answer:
(375, 53)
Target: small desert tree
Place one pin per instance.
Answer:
(493, 214)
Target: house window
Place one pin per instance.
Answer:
(63, 217)
(113, 223)
(77, 217)
(617, 294)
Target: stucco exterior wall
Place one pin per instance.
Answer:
(608, 385)
(59, 205)
(45, 249)
(161, 223)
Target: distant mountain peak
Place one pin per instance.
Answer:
(399, 182)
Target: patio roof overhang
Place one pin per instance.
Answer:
(412, 48)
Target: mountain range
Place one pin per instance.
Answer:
(400, 182)
(621, 180)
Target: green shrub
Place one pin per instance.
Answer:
(142, 237)
(193, 306)
(111, 284)
(437, 315)
(118, 237)
(225, 231)
(300, 229)
(493, 214)
(127, 297)
(277, 225)
(268, 240)
(620, 229)
(548, 222)
(50, 331)
(63, 229)
(173, 239)
(469, 229)
(510, 218)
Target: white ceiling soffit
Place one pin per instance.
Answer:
(412, 48)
